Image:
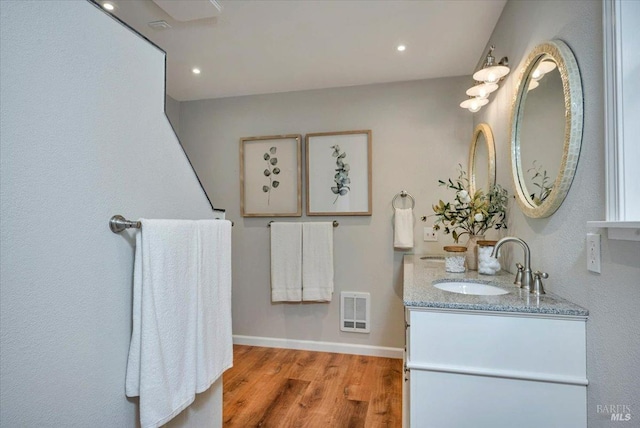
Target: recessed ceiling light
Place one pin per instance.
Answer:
(195, 70)
(401, 48)
(108, 6)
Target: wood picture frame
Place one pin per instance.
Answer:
(271, 176)
(338, 173)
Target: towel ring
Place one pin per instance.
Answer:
(403, 194)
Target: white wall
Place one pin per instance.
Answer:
(172, 109)
(558, 243)
(83, 137)
(419, 136)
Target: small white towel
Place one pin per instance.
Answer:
(162, 357)
(214, 337)
(317, 261)
(403, 228)
(286, 262)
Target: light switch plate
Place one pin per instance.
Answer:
(430, 235)
(593, 252)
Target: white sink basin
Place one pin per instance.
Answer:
(474, 288)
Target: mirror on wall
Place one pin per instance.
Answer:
(546, 128)
(482, 159)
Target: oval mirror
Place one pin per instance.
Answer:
(546, 128)
(482, 159)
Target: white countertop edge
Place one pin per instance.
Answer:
(538, 315)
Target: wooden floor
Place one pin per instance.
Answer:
(282, 388)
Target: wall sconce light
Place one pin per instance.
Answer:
(490, 71)
(474, 104)
(486, 79)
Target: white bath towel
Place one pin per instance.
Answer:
(403, 228)
(286, 262)
(214, 337)
(317, 261)
(162, 356)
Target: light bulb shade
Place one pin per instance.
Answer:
(491, 74)
(546, 66)
(533, 84)
(474, 104)
(482, 90)
(543, 68)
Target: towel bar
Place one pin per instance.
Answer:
(335, 223)
(117, 223)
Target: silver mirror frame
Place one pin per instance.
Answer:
(573, 101)
(484, 129)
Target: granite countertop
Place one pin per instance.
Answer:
(419, 291)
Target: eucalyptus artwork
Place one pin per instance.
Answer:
(270, 171)
(271, 176)
(341, 177)
(542, 181)
(339, 173)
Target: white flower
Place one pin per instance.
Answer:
(463, 196)
(478, 217)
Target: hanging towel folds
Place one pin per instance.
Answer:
(403, 228)
(301, 262)
(162, 360)
(175, 326)
(286, 262)
(215, 340)
(317, 261)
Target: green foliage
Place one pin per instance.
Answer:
(341, 178)
(271, 162)
(470, 214)
(542, 181)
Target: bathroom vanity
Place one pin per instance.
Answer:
(490, 360)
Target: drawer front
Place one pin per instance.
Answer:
(455, 401)
(531, 347)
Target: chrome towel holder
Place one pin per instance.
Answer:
(117, 224)
(335, 223)
(403, 194)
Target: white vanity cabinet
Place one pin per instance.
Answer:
(473, 368)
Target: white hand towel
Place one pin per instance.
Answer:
(162, 356)
(286, 262)
(214, 337)
(403, 228)
(317, 261)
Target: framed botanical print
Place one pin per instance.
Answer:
(271, 176)
(338, 173)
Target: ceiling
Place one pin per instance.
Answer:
(257, 47)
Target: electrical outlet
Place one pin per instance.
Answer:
(430, 234)
(593, 252)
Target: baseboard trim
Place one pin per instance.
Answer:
(310, 345)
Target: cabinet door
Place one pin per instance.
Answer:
(406, 396)
(491, 370)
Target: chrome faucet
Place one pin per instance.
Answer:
(525, 276)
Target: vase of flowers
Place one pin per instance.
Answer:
(470, 214)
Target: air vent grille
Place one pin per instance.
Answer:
(354, 312)
(159, 25)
